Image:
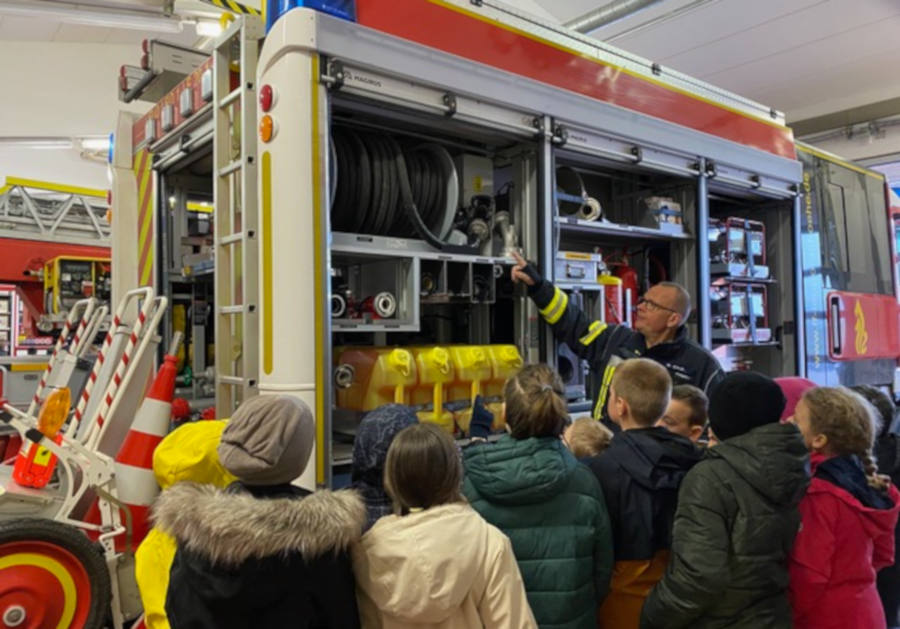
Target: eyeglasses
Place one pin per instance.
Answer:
(653, 306)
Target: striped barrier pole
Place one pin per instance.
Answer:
(96, 422)
(147, 293)
(63, 337)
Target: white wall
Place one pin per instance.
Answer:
(54, 165)
(59, 89)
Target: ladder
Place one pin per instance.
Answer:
(39, 210)
(236, 215)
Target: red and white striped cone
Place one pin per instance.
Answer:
(135, 483)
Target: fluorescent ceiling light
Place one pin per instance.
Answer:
(95, 144)
(208, 28)
(38, 142)
(82, 14)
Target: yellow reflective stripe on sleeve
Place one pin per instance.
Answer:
(604, 391)
(595, 330)
(557, 296)
(554, 315)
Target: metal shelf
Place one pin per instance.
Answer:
(617, 230)
(742, 279)
(360, 325)
(362, 245)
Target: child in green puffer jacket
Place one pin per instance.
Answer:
(532, 488)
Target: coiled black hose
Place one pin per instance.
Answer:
(388, 189)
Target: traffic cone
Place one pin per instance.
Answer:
(136, 485)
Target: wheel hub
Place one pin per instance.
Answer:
(14, 615)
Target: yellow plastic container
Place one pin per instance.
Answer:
(382, 375)
(435, 371)
(473, 369)
(505, 363)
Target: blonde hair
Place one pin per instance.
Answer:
(646, 386)
(422, 469)
(588, 437)
(535, 403)
(849, 422)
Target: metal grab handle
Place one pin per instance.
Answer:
(834, 306)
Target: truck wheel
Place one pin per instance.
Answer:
(51, 576)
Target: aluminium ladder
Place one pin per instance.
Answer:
(236, 215)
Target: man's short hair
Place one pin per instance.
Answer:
(588, 437)
(646, 386)
(694, 399)
(682, 303)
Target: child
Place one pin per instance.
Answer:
(849, 515)
(437, 563)
(686, 413)
(373, 438)
(640, 474)
(737, 517)
(530, 486)
(793, 389)
(262, 553)
(586, 437)
(887, 455)
(186, 454)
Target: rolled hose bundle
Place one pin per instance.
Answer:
(388, 190)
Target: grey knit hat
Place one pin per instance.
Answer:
(268, 440)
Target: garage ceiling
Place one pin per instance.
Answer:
(803, 57)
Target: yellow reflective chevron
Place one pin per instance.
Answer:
(557, 306)
(604, 391)
(595, 330)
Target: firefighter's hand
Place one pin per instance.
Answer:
(524, 271)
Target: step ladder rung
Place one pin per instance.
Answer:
(230, 310)
(231, 239)
(232, 380)
(234, 166)
(230, 98)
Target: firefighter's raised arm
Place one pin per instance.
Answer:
(584, 337)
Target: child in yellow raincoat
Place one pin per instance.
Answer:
(187, 454)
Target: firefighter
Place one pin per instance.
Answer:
(659, 334)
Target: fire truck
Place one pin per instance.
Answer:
(329, 205)
(370, 170)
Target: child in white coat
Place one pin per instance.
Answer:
(435, 563)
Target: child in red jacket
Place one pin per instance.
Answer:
(848, 516)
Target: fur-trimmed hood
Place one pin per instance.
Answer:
(229, 528)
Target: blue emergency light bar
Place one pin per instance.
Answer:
(345, 9)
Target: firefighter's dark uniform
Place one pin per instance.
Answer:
(605, 346)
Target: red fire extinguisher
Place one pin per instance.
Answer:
(613, 299)
(630, 288)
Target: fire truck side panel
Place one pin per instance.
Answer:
(293, 263)
(846, 252)
(535, 55)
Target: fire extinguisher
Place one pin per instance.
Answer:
(629, 286)
(613, 299)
